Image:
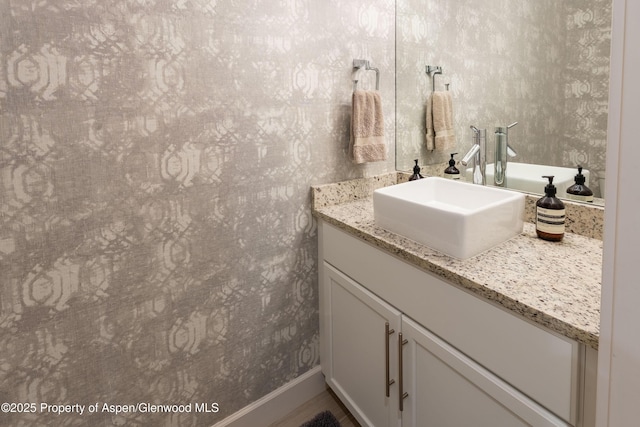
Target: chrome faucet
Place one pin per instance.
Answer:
(478, 153)
(503, 151)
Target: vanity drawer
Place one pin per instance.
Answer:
(538, 362)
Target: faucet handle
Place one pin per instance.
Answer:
(472, 152)
(510, 151)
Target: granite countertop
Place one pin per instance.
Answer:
(554, 284)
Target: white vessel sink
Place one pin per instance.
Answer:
(528, 177)
(453, 217)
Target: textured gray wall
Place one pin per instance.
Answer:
(543, 63)
(156, 241)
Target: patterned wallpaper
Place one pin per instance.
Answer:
(542, 63)
(156, 242)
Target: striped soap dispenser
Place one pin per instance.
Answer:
(550, 214)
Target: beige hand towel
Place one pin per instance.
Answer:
(431, 135)
(367, 127)
(440, 132)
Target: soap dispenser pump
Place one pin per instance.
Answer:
(416, 172)
(550, 214)
(452, 171)
(579, 191)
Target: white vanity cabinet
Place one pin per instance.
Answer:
(401, 347)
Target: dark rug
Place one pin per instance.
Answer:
(323, 419)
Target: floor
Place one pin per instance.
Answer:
(325, 401)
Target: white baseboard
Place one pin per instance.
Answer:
(279, 402)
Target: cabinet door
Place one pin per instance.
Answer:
(360, 355)
(446, 388)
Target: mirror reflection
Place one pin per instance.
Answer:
(541, 63)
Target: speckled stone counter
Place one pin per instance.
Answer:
(556, 285)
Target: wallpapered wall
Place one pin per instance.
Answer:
(542, 63)
(156, 241)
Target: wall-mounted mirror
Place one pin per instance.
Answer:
(542, 63)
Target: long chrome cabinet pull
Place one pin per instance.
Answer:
(402, 394)
(387, 380)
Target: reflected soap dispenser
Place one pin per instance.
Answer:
(550, 214)
(416, 172)
(452, 171)
(579, 191)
